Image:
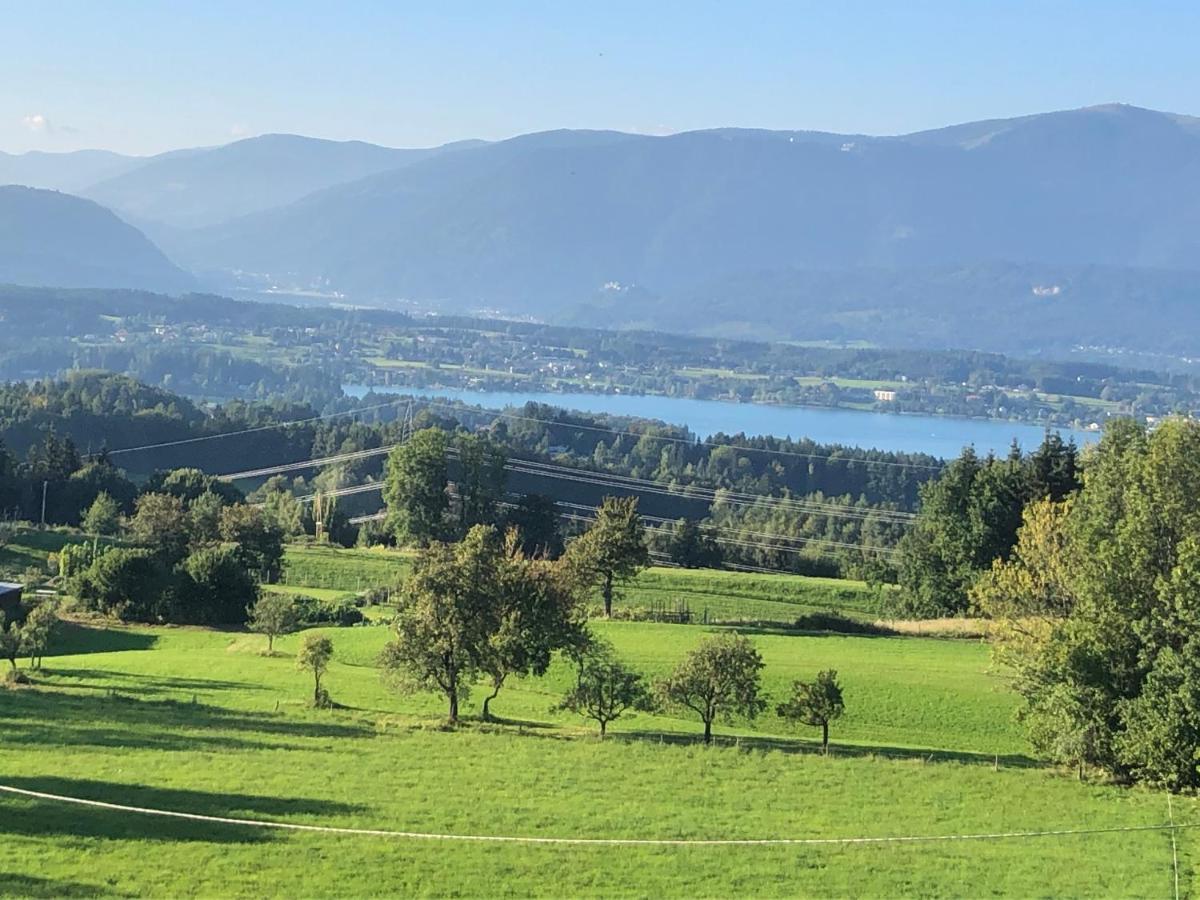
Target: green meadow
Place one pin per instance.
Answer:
(326, 572)
(200, 721)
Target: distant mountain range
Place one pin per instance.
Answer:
(205, 187)
(63, 171)
(1073, 219)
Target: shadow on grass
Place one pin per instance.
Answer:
(35, 817)
(139, 684)
(51, 718)
(812, 748)
(15, 885)
(77, 638)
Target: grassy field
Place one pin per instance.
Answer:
(742, 597)
(344, 570)
(30, 548)
(323, 572)
(196, 720)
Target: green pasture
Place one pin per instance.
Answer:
(323, 572)
(199, 721)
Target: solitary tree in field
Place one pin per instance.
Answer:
(38, 631)
(537, 613)
(475, 608)
(613, 549)
(817, 703)
(605, 689)
(718, 678)
(273, 615)
(415, 488)
(445, 618)
(315, 652)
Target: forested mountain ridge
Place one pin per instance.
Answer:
(1043, 309)
(49, 238)
(1039, 234)
(544, 221)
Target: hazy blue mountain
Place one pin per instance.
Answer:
(63, 171)
(539, 223)
(205, 186)
(1004, 307)
(52, 239)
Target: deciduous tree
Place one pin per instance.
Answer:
(161, 524)
(38, 631)
(258, 540)
(316, 650)
(604, 689)
(273, 614)
(415, 489)
(103, 516)
(445, 618)
(720, 678)
(612, 550)
(815, 703)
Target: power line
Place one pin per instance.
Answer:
(759, 499)
(738, 540)
(704, 492)
(260, 428)
(624, 482)
(766, 536)
(678, 440)
(314, 463)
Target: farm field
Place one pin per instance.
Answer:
(197, 720)
(326, 572)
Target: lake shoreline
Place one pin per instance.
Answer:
(982, 432)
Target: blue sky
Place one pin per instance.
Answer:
(141, 77)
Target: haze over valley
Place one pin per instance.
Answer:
(1046, 233)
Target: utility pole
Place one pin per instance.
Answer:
(45, 487)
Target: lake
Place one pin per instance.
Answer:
(941, 436)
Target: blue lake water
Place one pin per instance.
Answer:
(941, 436)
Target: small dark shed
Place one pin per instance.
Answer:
(10, 600)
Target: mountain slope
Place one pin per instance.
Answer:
(205, 186)
(57, 240)
(1003, 307)
(63, 171)
(545, 220)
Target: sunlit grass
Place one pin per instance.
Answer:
(198, 720)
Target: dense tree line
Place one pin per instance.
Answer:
(1099, 610)
(969, 518)
(198, 558)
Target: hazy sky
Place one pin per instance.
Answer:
(141, 77)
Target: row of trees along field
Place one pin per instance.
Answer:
(482, 610)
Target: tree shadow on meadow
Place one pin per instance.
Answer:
(76, 638)
(13, 884)
(55, 719)
(35, 817)
(803, 747)
(139, 684)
